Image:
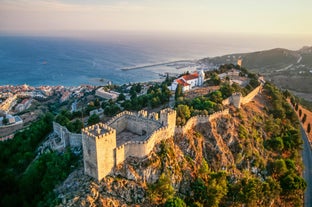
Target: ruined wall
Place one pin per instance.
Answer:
(226, 102)
(69, 139)
(75, 140)
(192, 122)
(237, 100)
(251, 95)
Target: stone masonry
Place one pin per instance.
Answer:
(135, 134)
(126, 134)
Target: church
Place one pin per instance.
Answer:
(189, 81)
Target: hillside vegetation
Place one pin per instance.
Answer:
(250, 157)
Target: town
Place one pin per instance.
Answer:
(114, 132)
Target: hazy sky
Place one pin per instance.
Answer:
(293, 17)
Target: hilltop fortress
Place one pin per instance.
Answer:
(135, 134)
(126, 134)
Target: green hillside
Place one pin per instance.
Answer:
(288, 69)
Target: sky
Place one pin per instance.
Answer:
(287, 17)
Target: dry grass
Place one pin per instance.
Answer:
(200, 91)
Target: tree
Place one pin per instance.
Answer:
(214, 80)
(292, 101)
(217, 188)
(175, 202)
(96, 102)
(296, 107)
(93, 119)
(291, 182)
(304, 118)
(178, 91)
(277, 168)
(184, 113)
(162, 190)
(121, 97)
(309, 128)
(5, 121)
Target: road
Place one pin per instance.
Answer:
(307, 174)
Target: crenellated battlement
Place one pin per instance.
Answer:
(126, 134)
(98, 131)
(136, 134)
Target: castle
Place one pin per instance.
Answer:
(126, 134)
(135, 134)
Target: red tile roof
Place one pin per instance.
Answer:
(182, 82)
(190, 76)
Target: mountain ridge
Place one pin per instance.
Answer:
(288, 69)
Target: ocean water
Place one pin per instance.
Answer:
(74, 61)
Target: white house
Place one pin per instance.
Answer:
(107, 95)
(189, 81)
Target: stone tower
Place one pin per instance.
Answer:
(236, 99)
(240, 62)
(201, 77)
(98, 143)
(168, 118)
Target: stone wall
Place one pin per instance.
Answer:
(143, 148)
(237, 100)
(69, 139)
(100, 152)
(251, 95)
(200, 119)
(135, 124)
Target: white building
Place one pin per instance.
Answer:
(189, 81)
(107, 95)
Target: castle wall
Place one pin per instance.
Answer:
(134, 123)
(143, 148)
(226, 102)
(69, 139)
(200, 119)
(120, 154)
(237, 100)
(119, 124)
(251, 95)
(75, 140)
(137, 125)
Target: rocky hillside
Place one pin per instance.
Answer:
(288, 69)
(248, 157)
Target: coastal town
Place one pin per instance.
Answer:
(106, 126)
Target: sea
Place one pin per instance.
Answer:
(96, 60)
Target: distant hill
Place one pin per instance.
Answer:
(288, 69)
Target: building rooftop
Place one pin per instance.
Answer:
(190, 76)
(182, 82)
